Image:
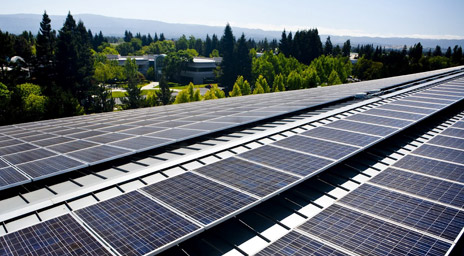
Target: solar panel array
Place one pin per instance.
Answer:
(414, 207)
(79, 141)
(160, 214)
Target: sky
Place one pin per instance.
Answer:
(430, 19)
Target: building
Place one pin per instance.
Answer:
(201, 70)
(143, 62)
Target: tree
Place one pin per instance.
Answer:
(236, 91)
(328, 49)
(151, 75)
(152, 99)
(182, 43)
(263, 84)
(294, 81)
(134, 99)
(33, 103)
(258, 88)
(284, 46)
(278, 85)
(228, 64)
(208, 46)
(214, 93)
(346, 48)
(457, 55)
(333, 78)
(448, 53)
(175, 62)
(437, 51)
(45, 52)
(164, 94)
(243, 59)
(5, 107)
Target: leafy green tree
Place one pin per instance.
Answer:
(175, 62)
(182, 97)
(152, 99)
(151, 75)
(164, 94)
(310, 78)
(33, 103)
(235, 91)
(294, 81)
(134, 99)
(278, 85)
(246, 88)
(333, 78)
(258, 88)
(214, 93)
(263, 84)
(182, 43)
(5, 107)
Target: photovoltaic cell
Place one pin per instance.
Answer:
(362, 128)
(6, 141)
(72, 146)
(318, 147)
(141, 143)
(117, 128)
(176, 134)
(9, 176)
(133, 224)
(458, 125)
(16, 148)
(432, 167)
(393, 106)
(286, 160)
(198, 197)
(435, 189)
(441, 153)
(28, 156)
(3, 163)
(37, 137)
(438, 96)
(110, 137)
(407, 102)
(65, 131)
(59, 236)
(253, 178)
(394, 114)
(426, 99)
(377, 120)
(143, 130)
(350, 138)
(87, 134)
(99, 154)
(52, 141)
(208, 126)
(423, 215)
(447, 142)
(294, 243)
(454, 132)
(366, 235)
(172, 124)
(50, 166)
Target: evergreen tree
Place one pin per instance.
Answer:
(45, 54)
(235, 91)
(294, 81)
(228, 64)
(261, 81)
(278, 84)
(127, 36)
(457, 55)
(243, 59)
(246, 88)
(162, 38)
(214, 42)
(258, 88)
(164, 94)
(333, 78)
(208, 46)
(214, 93)
(156, 38)
(85, 62)
(134, 99)
(67, 56)
(437, 51)
(346, 48)
(448, 53)
(328, 49)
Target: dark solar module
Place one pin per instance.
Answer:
(198, 197)
(362, 128)
(133, 224)
(52, 141)
(458, 125)
(286, 160)
(208, 126)
(31, 155)
(428, 99)
(86, 134)
(176, 134)
(9, 176)
(447, 142)
(99, 154)
(141, 143)
(50, 166)
(406, 102)
(72, 146)
(392, 106)
(334, 135)
(394, 114)
(9, 142)
(110, 137)
(377, 120)
(253, 178)
(441, 153)
(143, 130)
(454, 132)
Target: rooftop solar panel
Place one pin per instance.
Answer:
(50, 166)
(441, 153)
(6, 141)
(393, 106)
(427, 187)
(362, 128)
(438, 96)
(141, 143)
(142, 130)
(237, 119)
(16, 148)
(172, 124)
(407, 102)
(286, 160)
(59, 236)
(394, 114)
(427, 99)
(72, 146)
(67, 131)
(36, 137)
(208, 126)
(86, 134)
(28, 156)
(295, 243)
(377, 120)
(99, 154)
(253, 178)
(24, 134)
(447, 142)
(110, 137)
(10, 176)
(176, 134)
(441, 91)
(117, 128)
(52, 141)
(423, 215)
(454, 132)
(133, 224)
(459, 125)
(317, 147)
(335, 135)
(3, 163)
(198, 197)
(366, 235)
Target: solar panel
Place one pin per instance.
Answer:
(454, 132)
(86, 134)
(393, 106)
(444, 91)
(3, 163)
(16, 148)
(426, 99)
(253, 178)
(65, 131)
(176, 134)
(59, 236)
(347, 137)
(366, 235)
(286, 160)
(9, 177)
(141, 143)
(295, 243)
(110, 137)
(198, 197)
(6, 141)
(52, 141)
(423, 215)
(427, 187)
(28, 156)
(458, 125)
(441, 153)
(447, 142)
(377, 120)
(362, 128)
(438, 96)
(208, 126)
(407, 102)
(50, 166)
(36, 137)
(237, 119)
(117, 128)
(71, 146)
(133, 224)
(24, 134)
(143, 130)
(318, 147)
(394, 114)
(99, 154)
(172, 124)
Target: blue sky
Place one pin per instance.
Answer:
(406, 18)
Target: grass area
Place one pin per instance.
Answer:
(118, 94)
(185, 86)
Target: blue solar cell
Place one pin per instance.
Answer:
(71, 146)
(427, 187)
(454, 132)
(377, 120)
(406, 102)
(133, 224)
(59, 236)
(28, 156)
(50, 166)
(427, 99)
(141, 143)
(362, 128)
(198, 197)
(9, 177)
(295, 243)
(432, 167)
(176, 134)
(99, 154)
(350, 138)
(438, 96)
(393, 106)
(459, 124)
(286, 160)
(16, 148)
(447, 142)
(366, 235)
(318, 147)
(423, 215)
(441, 153)
(253, 178)
(393, 114)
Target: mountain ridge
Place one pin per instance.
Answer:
(112, 26)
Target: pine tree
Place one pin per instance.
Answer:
(164, 94)
(294, 81)
(448, 53)
(333, 78)
(246, 88)
(235, 91)
(134, 99)
(243, 59)
(437, 51)
(346, 48)
(328, 49)
(278, 84)
(283, 45)
(258, 88)
(228, 64)
(263, 84)
(162, 38)
(45, 57)
(208, 46)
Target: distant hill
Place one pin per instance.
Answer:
(110, 26)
